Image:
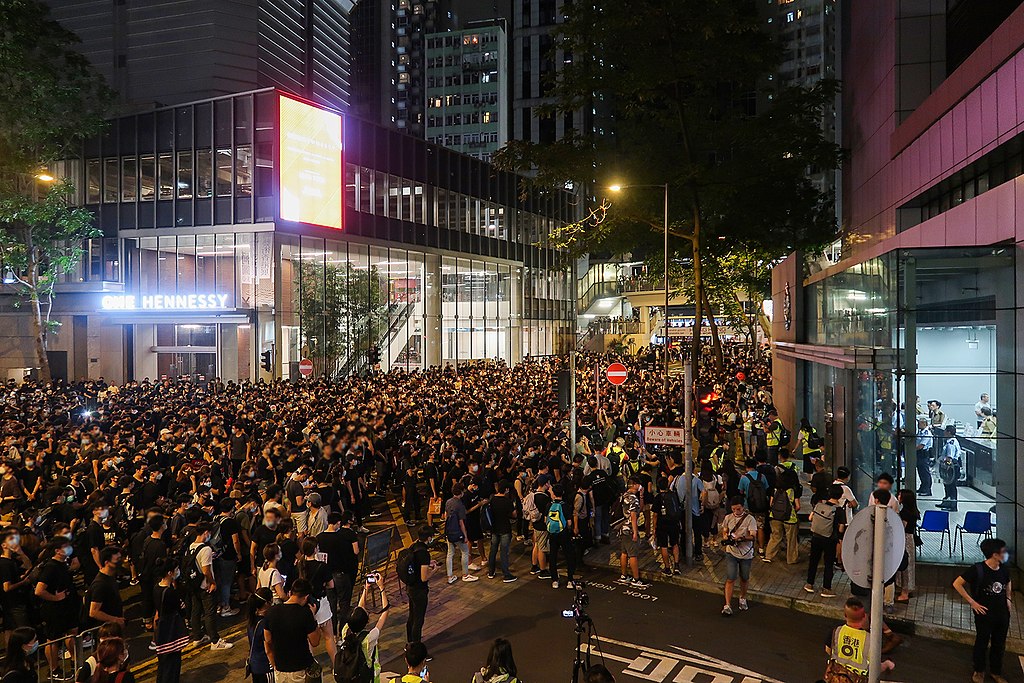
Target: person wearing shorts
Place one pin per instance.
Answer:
(667, 526)
(739, 531)
(629, 534)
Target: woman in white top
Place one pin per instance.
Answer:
(269, 576)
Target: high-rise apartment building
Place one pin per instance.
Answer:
(467, 93)
(163, 52)
(389, 48)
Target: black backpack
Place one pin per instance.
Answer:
(673, 510)
(191, 574)
(486, 518)
(406, 567)
(814, 440)
(350, 665)
(757, 495)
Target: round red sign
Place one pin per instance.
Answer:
(616, 373)
(305, 367)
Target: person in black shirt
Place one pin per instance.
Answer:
(14, 569)
(290, 632)
(225, 566)
(341, 545)
(987, 588)
(151, 553)
(502, 512)
(410, 495)
(59, 602)
(104, 598)
(418, 589)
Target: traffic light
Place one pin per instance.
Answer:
(374, 355)
(707, 413)
(267, 360)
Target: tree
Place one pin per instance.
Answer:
(343, 313)
(680, 80)
(50, 100)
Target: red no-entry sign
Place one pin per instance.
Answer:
(616, 373)
(305, 367)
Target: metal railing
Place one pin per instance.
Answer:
(61, 658)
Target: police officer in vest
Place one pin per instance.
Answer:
(848, 650)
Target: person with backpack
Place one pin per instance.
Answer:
(756, 491)
(560, 535)
(712, 510)
(826, 519)
(200, 585)
(629, 534)
(170, 634)
(600, 484)
(811, 442)
(535, 509)
(987, 587)
(500, 511)
(785, 504)
(456, 534)
(321, 582)
(227, 551)
(358, 660)
(415, 567)
(289, 635)
(738, 533)
(666, 516)
(776, 436)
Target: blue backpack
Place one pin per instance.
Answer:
(556, 518)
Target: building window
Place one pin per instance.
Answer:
(129, 179)
(224, 169)
(165, 168)
(204, 173)
(147, 177)
(110, 187)
(184, 175)
(94, 180)
(243, 171)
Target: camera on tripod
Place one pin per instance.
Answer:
(578, 611)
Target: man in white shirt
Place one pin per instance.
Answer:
(983, 403)
(885, 482)
(204, 615)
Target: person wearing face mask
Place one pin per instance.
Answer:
(269, 576)
(21, 645)
(264, 534)
(59, 603)
(112, 663)
(169, 633)
(31, 479)
(95, 539)
(988, 589)
(152, 553)
(14, 577)
(104, 596)
(11, 492)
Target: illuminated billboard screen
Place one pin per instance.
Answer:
(310, 177)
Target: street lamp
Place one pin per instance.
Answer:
(619, 188)
(45, 177)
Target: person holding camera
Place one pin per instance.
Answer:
(738, 533)
(359, 644)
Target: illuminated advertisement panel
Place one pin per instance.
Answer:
(310, 176)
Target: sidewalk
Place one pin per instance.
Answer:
(934, 611)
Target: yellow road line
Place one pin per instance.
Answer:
(399, 520)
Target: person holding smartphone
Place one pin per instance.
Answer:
(416, 659)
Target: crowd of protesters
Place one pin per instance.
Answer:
(254, 496)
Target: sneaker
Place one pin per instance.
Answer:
(827, 593)
(133, 582)
(205, 640)
(363, 530)
(469, 578)
(222, 645)
(490, 576)
(546, 575)
(808, 588)
(152, 645)
(452, 579)
(622, 579)
(510, 579)
(743, 605)
(571, 585)
(554, 584)
(229, 612)
(765, 560)
(535, 569)
(637, 583)
(474, 567)
(666, 571)
(677, 572)
(727, 611)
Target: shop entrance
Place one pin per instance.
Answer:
(186, 351)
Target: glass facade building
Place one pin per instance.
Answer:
(439, 259)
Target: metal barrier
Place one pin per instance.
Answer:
(61, 658)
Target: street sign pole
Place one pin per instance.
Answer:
(688, 454)
(597, 386)
(877, 589)
(572, 396)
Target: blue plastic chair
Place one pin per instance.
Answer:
(937, 521)
(979, 523)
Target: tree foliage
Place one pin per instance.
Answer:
(50, 100)
(680, 87)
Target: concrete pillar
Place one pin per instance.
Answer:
(515, 294)
(227, 353)
(145, 359)
(432, 310)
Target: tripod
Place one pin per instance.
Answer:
(584, 625)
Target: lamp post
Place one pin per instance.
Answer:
(619, 188)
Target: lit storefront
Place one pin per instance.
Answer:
(227, 234)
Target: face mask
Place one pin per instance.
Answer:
(15, 540)
(67, 535)
(1006, 557)
(104, 515)
(270, 524)
(30, 464)
(68, 552)
(31, 648)
(177, 574)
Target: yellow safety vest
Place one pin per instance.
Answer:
(773, 436)
(849, 648)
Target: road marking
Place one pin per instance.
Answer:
(691, 665)
(399, 521)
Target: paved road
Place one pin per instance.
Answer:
(665, 633)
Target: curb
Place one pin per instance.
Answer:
(834, 611)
